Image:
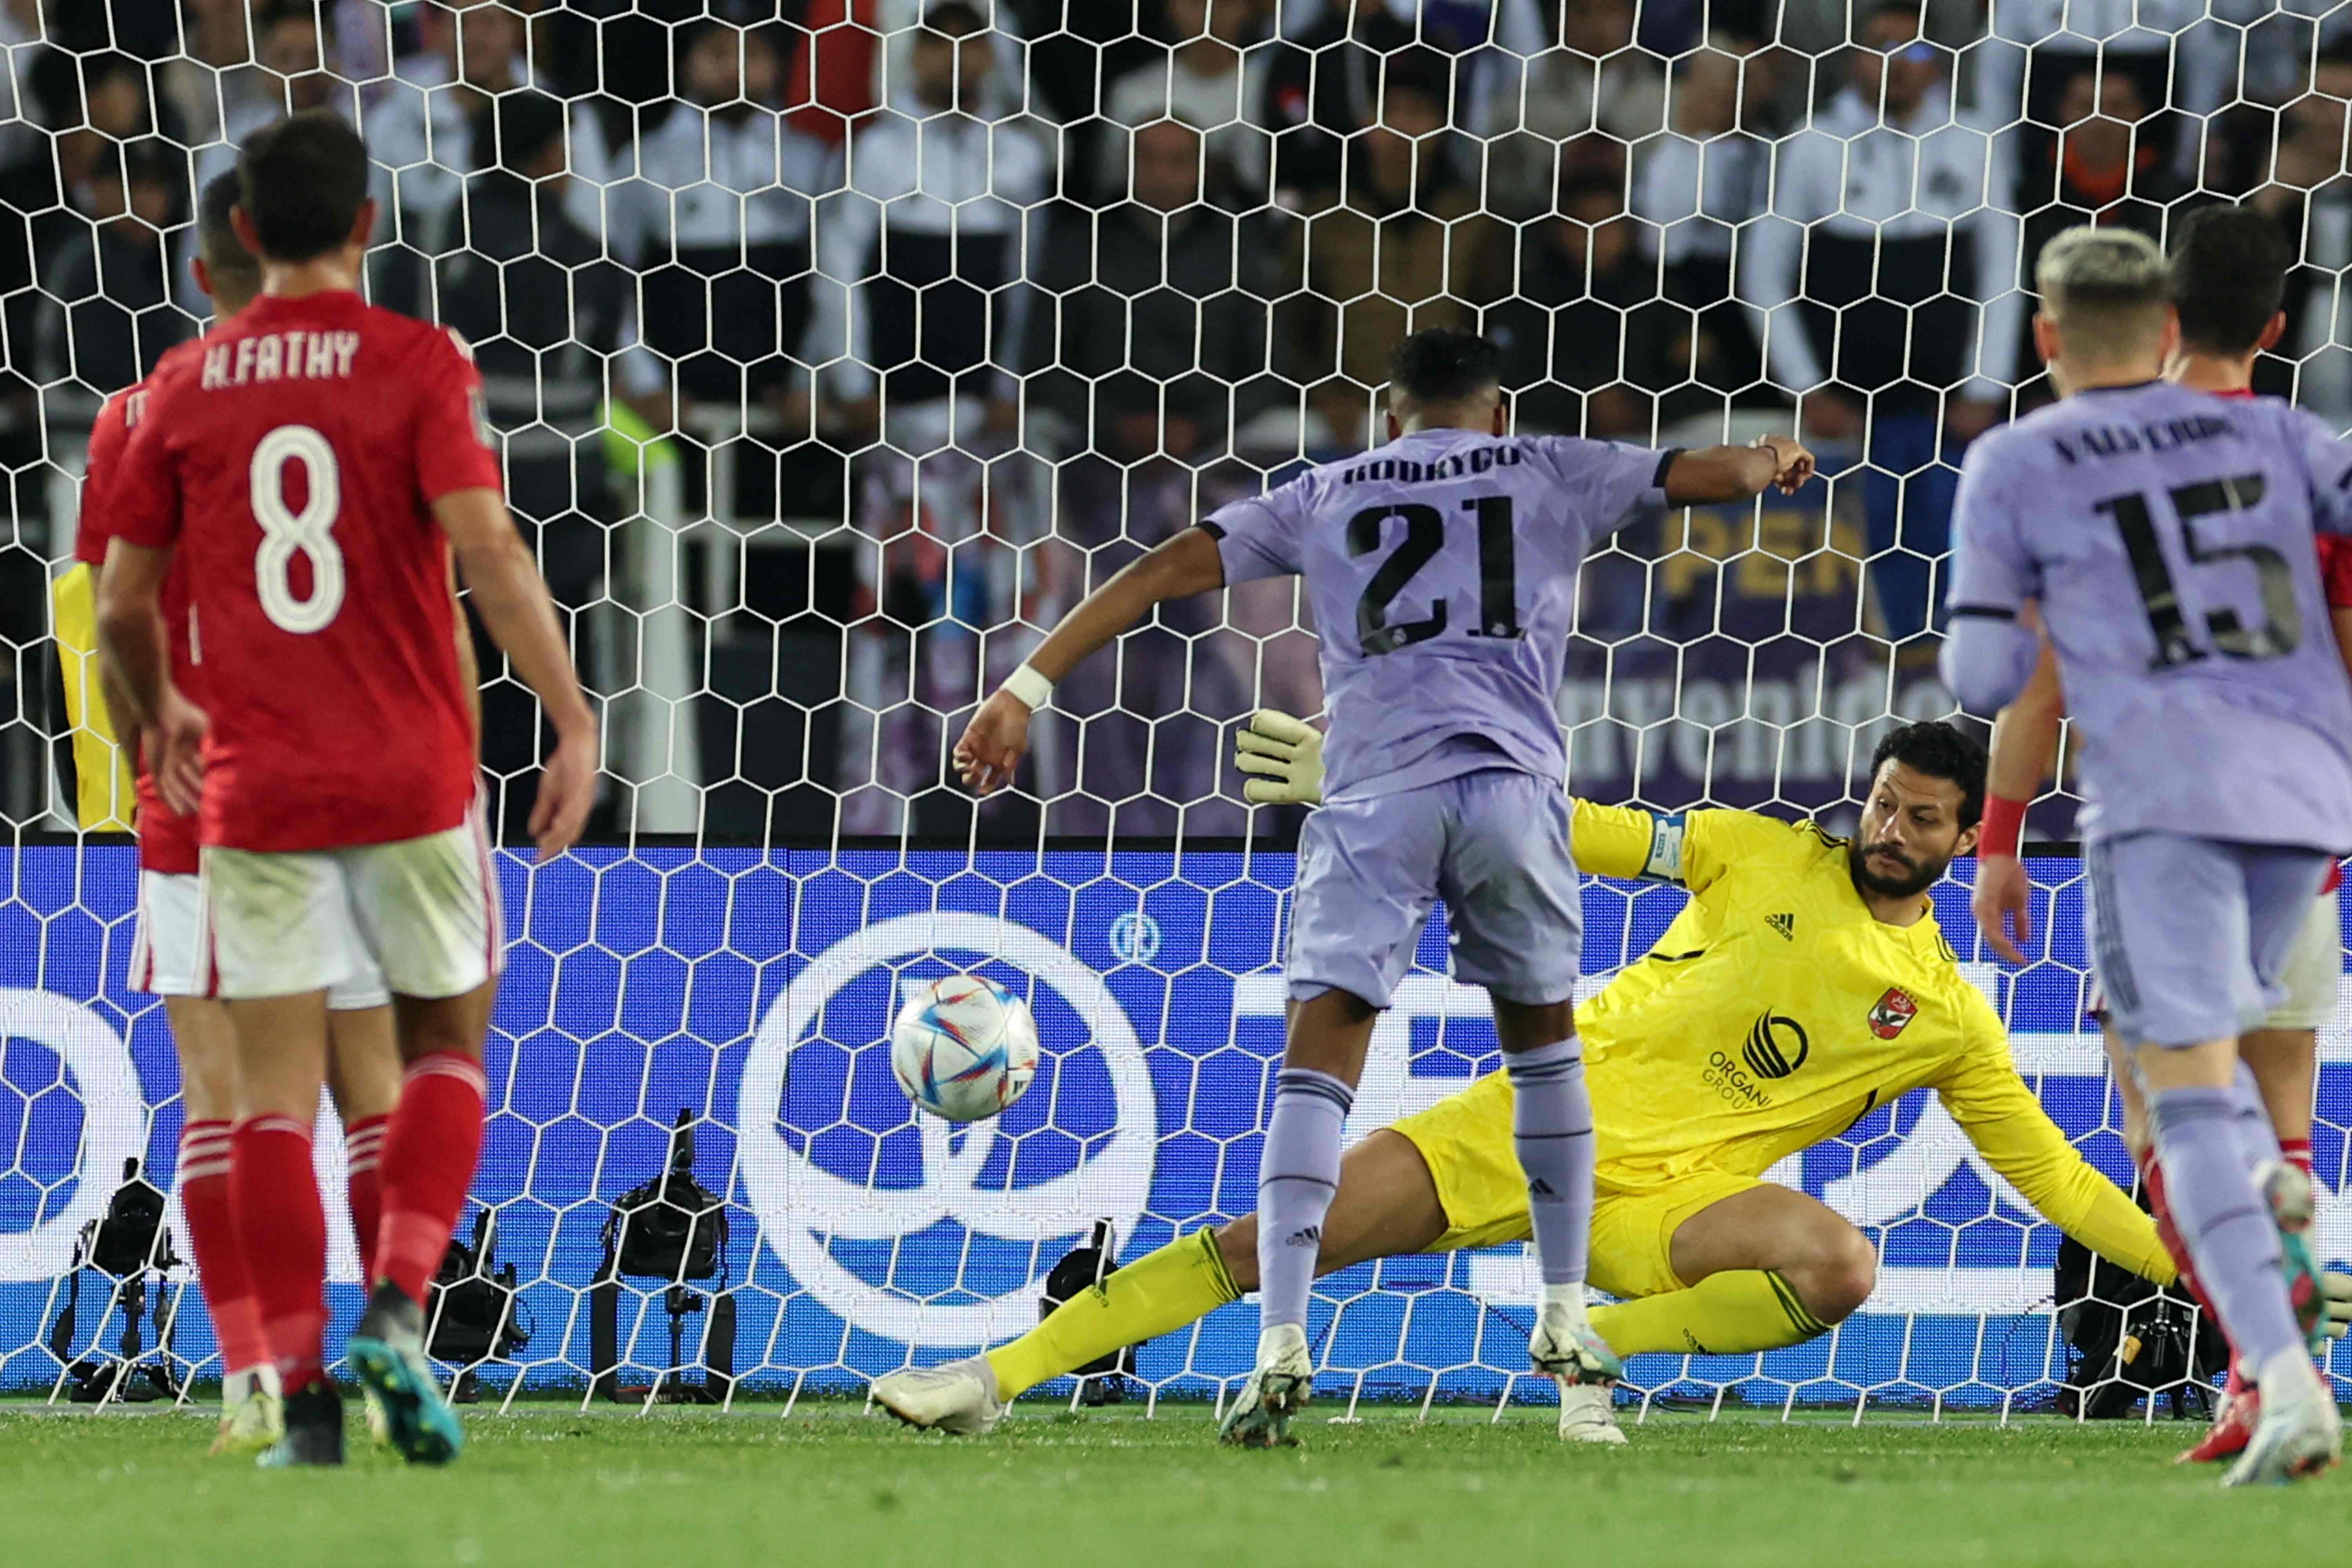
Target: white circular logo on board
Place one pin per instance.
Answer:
(804, 1207)
(1135, 937)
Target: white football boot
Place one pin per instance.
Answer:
(253, 1417)
(959, 1397)
(2300, 1433)
(1279, 1389)
(1587, 1415)
(1564, 1344)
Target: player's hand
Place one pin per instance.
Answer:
(2337, 1289)
(1288, 756)
(1796, 464)
(993, 744)
(175, 747)
(567, 791)
(2002, 894)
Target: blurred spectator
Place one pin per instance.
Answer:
(1489, 42)
(550, 322)
(1867, 272)
(289, 73)
(2103, 169)
(1001, 90)
(1596, 83)
(1152, 315)
(1583, 335)
(1205, 81)
(1322, 81)
(921, 267)
(2179, 58)
(112, 315)
(718, 222)
(420, 133)
(1693, 189)
(1403, 248)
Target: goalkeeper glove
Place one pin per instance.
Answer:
(2337, 1289)
(1288, 756)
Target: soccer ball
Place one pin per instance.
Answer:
(964, 1048)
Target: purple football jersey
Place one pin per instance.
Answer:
(2166, 534)
(1441, 570)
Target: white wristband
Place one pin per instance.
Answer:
(1029, 687)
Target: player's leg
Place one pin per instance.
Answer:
(1387, 1203)
(1511, 888)
(170, 957)
(429, 909)
(363, 1073)
(2176, 925)
(1367, 875)
(2284, 1053)
(1753, 1267)
(281, 937)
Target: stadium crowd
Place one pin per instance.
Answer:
(915, 283)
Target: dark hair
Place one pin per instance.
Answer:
(217, 238)
(1941, 750)
(302, 183)
(954, 19)
(515, 130)
(319, 13)
(1443, 364)
(2228, 274)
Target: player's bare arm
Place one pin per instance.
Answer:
(513, 602)
(135, 667)
(2024, 751)
(993, 741)
(1719, 475)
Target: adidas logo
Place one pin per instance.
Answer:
(1310, 1237)
(1539, 1188)
(1785, 924)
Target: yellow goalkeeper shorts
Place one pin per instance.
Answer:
(1465, 1141)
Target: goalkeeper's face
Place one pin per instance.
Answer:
(1910, 832)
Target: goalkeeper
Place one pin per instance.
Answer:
(1804, 985)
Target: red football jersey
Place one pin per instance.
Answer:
(167, 841)
(294, 455)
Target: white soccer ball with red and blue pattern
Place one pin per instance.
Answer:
(964, 1048)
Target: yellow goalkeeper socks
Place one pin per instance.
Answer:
(1731, 1313)
(1184, 1280)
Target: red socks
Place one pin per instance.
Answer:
(2296, 1151)
(282, 1230)
(363, 1150)
(428, 1162)
(204, 1178)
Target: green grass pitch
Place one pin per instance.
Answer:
(831, 1486)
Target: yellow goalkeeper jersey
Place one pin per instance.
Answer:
(1777, 1011)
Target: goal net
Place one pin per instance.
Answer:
(835, 347)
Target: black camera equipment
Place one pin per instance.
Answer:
(127, 1244)
(1102, 1381)
(2130, 1340)
(473, 1311)
(673, 1229)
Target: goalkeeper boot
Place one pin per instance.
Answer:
(252, 1416)
(1586, 1414)
(314, 1429)
(959, 1397)
(1564, 1346)
(2233, 1421)
(1277, 1390)
(2299, 1434)
(379, 1426)
(2288, 1189)
(387, 1350)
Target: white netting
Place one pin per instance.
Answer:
(835, 355)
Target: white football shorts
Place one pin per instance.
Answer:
(2314, 971)
(426, 911)
(172, 947)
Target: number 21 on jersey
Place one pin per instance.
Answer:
(1424, 536)
(286, 532)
